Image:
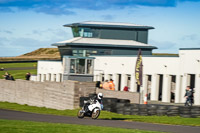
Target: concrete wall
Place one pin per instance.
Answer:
(64, 95)
(54, 95)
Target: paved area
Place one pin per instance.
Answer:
(17, 115)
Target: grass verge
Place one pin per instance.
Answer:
(18, 74)
(105, 115)
(16, 126)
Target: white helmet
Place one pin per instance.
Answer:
(100, 96)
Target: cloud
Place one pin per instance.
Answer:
(6, 31)
(53, 10)
(165, 46)
(64, 7)
(12, 46)
(51, 33)
(107, 17)
(191, 37)
(18, 46)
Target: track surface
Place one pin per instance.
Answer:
(20, 68)
(17, 115)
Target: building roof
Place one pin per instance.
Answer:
(189, 48)
(97, 42)
(109, 25)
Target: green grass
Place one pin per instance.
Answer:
(18, 74)
(14, 65)
(33, 109)
(16, 126)
(106, 115)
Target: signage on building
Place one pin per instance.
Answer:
(139, 68)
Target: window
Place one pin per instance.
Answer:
(75, 31)
(91, 52)
(80, 53)
(81, 66)
(128, 81)
(72, 66)
(89, 66)
(82, 32)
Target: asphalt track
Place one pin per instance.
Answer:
(19, 68)
(17, 115)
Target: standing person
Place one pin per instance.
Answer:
(188, 96)
(6, 76)
(111, 85)
(106, 85)
(28, 76)
(11, 77)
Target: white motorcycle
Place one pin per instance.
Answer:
(91, 108)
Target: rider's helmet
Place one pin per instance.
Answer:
(100, 96)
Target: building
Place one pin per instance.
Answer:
(101, 51)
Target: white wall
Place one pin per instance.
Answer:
(49, 71)
(190, 61)
(126, 65)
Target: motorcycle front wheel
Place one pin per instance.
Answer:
(80, 114)
(95, 114)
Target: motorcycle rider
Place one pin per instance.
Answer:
(98, 98)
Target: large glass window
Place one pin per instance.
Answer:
(82, 32)
(81, 66)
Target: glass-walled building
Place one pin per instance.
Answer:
(100, 39)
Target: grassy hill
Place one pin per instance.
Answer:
(39, 54)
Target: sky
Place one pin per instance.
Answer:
(26, 25)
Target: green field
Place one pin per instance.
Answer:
(14, 65)
(106, 115)
(15, 126)
(18, 74)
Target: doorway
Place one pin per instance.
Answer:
(119, 82)
(148, 87)
(173, 88)
(160, 87)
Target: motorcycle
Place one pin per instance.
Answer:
(91, 108)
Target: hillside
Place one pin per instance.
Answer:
(39, 54)
(43, 52)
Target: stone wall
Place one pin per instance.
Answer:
(56, 95)
(134, 97)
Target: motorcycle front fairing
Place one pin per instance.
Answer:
(96, 105)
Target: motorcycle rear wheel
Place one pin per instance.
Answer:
(80, 114)
(96, 114)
